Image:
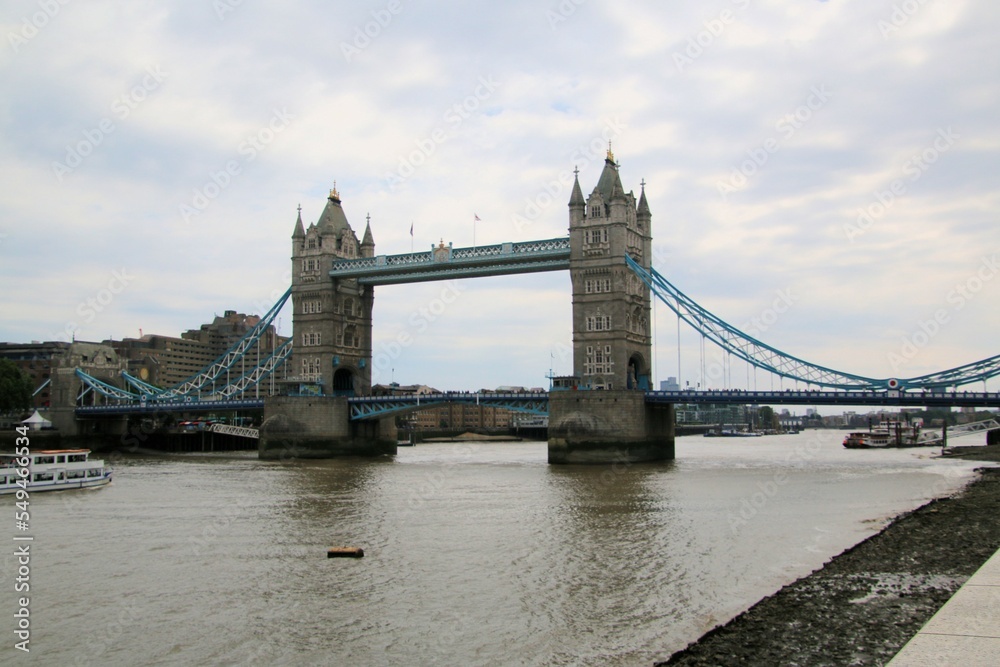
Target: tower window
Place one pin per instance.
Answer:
(599, 323)
(595, 236)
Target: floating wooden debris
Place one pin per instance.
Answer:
(345, 552)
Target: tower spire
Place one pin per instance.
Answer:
(300, 232)
(576, 197)
(642, 208)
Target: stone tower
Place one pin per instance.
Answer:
(332, 319)
(612, 345)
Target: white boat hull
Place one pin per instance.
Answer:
(50, 470)
(63, 485)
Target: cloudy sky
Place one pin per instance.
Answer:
(824, 174)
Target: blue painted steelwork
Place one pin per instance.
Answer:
(157, 407)
(220, 367)
(788, 397)
(761, 355)
(147, 392)
(445, 262)
(144, 388)
(91, 383)
(205, 379)
(376, 407)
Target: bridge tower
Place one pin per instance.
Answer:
(332, 319)
(612, 345)
(607, 419)
(332, 343)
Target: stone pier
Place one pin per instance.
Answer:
(320, 427)
(608, 427)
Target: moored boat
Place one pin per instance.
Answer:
(51, 470)
(887, 434)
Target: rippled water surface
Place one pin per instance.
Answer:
(475, 554)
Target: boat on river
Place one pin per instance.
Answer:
(51, 470)
(732, 433)
(891, 433)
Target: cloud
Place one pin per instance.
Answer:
(559, 84)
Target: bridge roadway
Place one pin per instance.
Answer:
(374, 407)
(897, 398)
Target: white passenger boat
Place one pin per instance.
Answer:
(890, 433)
(51, 470)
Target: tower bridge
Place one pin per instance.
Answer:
(606, 411)
(333, 280)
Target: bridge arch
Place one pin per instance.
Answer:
(638, 373)
(343, 381)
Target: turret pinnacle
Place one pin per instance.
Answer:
(368, 238)
(576, 198)
(300, 232)
(642, 210)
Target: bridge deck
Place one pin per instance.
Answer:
(445, 262)
(859, 398)
(374, 407)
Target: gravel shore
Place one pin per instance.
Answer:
(865, 604)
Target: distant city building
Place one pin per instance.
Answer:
(670, 384)
(508, 389)
(462, 416)
(788, 422)
(711, 414)
(451, 416)
(396, 389)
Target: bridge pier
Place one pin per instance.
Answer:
(319, 427)
(609, 427)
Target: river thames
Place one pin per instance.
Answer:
(475, 553)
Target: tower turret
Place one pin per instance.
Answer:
(299, 234)
(577, 205)
(368, 242)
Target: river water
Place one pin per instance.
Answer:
(475, 553)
